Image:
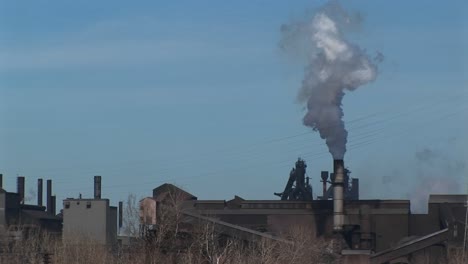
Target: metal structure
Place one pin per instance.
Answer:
(298, 187)
(371, 231)
(338, 195)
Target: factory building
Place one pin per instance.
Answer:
(92, 219)
(370, 231)
(18, 218)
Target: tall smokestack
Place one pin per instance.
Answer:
(338, 210)
(97, 187)
(20, 188)
(324, 176)
(39, 192)
(1, 181)
(120, 214)
(49, 196)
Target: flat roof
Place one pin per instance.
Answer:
(448, 198)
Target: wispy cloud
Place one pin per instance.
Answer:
(111, 43)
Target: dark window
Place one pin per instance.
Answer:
(67, 205)
(88, 204)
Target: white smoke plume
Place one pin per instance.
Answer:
(334, 65)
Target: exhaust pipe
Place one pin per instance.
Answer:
(49, 196)
(53, 199)
(20, 188)
(338, 210)
(97, 187)
(120, 214)
(39, 192)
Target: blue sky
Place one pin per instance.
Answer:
(198, 93)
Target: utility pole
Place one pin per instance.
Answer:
(466, 227)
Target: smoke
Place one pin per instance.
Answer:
(436, 173)
(334, 66)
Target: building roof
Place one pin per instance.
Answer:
(40, 215)
(170, 188)
(448, 198)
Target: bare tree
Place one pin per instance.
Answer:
(131, 216)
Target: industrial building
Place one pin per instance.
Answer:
(370, 231)
(17, 218)
(90, 218)
(93, 219)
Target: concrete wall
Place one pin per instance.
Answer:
(86, 218)
(389, 229)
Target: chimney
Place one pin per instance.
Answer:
(39, 192)
(1, 181)
(97, 187)
(53, 199)
(338, 210)
(355, 189)
(120, 214)
(49, 196)
(324, 176)
(20, 188)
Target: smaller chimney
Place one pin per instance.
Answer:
(97, 187)
(20, 188)
(53, 198)
(39, 192)
(1, 181)
(120, 214)
(49, 196)
(324, 176)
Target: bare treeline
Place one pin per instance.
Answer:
(202, 246)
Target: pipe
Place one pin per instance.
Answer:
(338, 210)
(97, 187)
(355, 188)
(20, 188)
(1, 181)
(324, 176)
(120, 214)
(49, 196)
(54, 204)
(39, 192)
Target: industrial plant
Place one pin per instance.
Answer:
(109, 59)
(363, 231)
